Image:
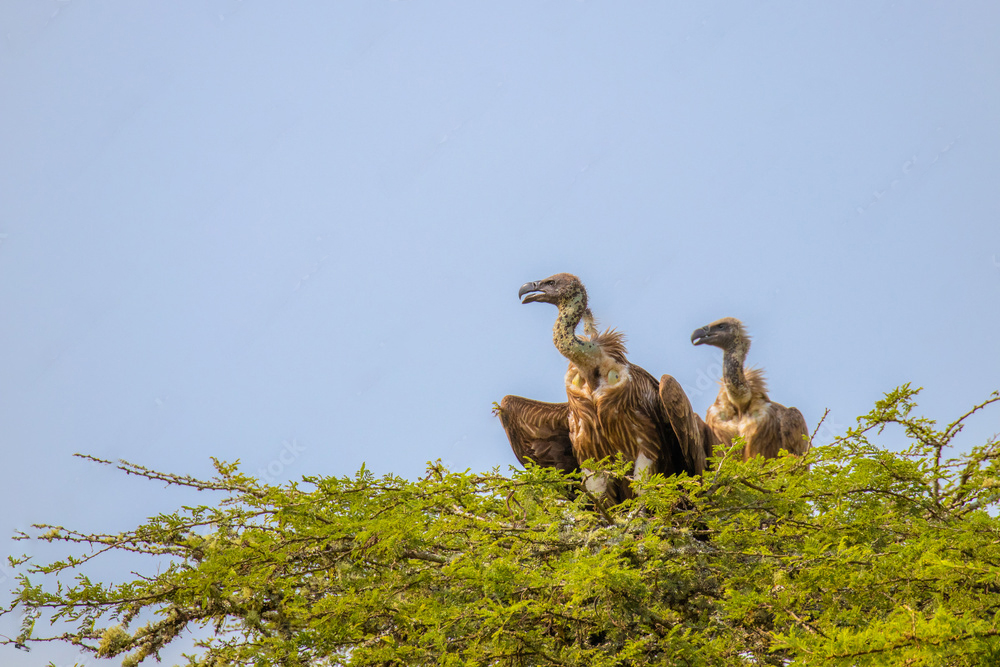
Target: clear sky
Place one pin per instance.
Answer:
(293, 233)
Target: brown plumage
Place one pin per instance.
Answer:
(538, 432)
(613, 406)
(742, 406)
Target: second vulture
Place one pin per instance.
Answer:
(742, 406)
(613, 405)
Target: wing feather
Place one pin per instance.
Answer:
(794, 432)
(692, 434)
(538, 432)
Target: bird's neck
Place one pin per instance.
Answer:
(564, 332)
(733, 377)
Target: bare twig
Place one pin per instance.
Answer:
(816, 430)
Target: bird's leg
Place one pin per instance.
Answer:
(596, 486)
(595, 483)
(643, 467)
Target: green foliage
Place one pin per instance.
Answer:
(853, 555)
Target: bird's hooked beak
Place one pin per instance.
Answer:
(533, 291)
(700, 336)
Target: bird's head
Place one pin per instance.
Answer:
(557, 289)
(725, 333)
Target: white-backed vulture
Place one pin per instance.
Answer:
(613, 405)
(742, 406)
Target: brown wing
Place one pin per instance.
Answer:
(538, 431)
(644, 414)
(692, 434)
(794, 432)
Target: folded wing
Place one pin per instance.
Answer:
(794, 432)
(697, 441)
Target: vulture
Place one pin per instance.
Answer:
(613, 406)
(742, 406)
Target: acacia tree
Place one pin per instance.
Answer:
(853, 555)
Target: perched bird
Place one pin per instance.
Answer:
(742, 406)
(613, 406)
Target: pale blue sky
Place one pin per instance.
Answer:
(293, 233)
